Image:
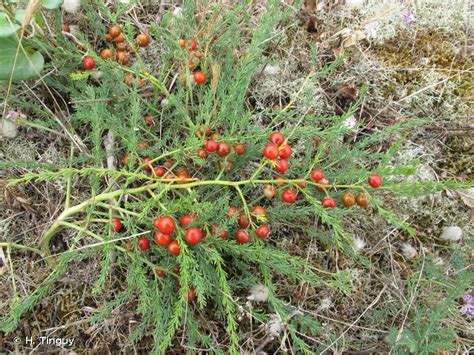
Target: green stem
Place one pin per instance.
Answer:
(244, 203)
(259, 169)
(44, 245)
(19, 246)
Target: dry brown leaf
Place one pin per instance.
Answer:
(30, 11)
(338, 51)
(310, 5)
(353, 38)
(15, 197)
(348, 91)
(215, 77)
(467, 196)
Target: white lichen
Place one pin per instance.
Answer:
(358, 244)
(408, 251)
(271, 69)
(259, 293)
(275, 326)
(326, 303)
(177, 11)
(71, 6)
(355, 3)
(451, 234)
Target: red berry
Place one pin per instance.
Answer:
(227, 167)
(317, 175)
(269, 191)
(143, 243)
(120, 38)
(262, 231)
(204, 131)
(285, 151)
(202, 153)
(116, 225)
(282, 166)
(288, 196)
(216, 136)
(277, 138)
(199, 77)
(240, 148)
(193, 45)
(243, 221)
(211, 145)
(223, 149)
(271, 151)
(165, 224)
(280, 178)
(182, 43)
(182, 173)
(159, 171)
(328, 202)
(242, 236)
(323, 181)
(259, 211)
(193, 235)
(362, 199)
(186, 219)
(222, 234)
(107, 53)
(160, 273)
(173, 248)
(148, 120)
(301, 185)
(162, 239)
(232, 211)
(191, 295)
(375, 180)
(115, 31)
(143, 40)
(122, 58)
(146, 163)
(348, 199)
(88, 62)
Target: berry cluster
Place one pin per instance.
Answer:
(121, 53)
(194, 61)
(280, 149)
(215, 144)
(277, 153)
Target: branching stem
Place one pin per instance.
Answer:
(54, 228)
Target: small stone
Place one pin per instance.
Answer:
(8, 126)
(8, 129)
(451, 234)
